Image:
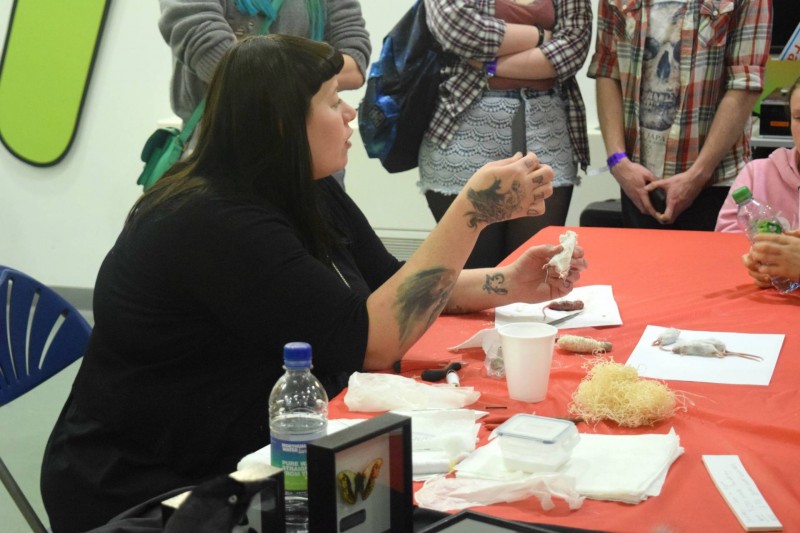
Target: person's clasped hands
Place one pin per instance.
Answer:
(678, 193)
(640, 185)
(634, 179)
(773, 254)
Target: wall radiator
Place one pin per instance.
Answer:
(401, 243)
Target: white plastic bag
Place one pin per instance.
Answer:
(448, 494)
(384, 392)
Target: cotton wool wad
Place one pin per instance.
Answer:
(402, 90)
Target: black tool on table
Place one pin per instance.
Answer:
(438, 374)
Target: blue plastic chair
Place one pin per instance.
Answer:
(41, 335)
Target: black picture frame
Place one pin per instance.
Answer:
(471, 522)
(359, 478)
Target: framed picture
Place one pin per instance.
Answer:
(472, 522)
(359, 478)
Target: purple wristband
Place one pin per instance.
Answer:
(491, 68)
(615, 158)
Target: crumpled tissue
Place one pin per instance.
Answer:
(447, 494)
(384, 392)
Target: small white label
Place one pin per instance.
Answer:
(740, 492)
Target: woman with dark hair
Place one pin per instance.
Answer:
(246, 245)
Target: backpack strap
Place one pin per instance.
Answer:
(191, 124)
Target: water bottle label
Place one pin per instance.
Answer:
(768, 226)
(291, 456)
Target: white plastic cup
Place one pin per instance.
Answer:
(527, 354)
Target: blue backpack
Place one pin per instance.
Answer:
(402, 89)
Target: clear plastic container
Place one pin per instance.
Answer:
(533, 443)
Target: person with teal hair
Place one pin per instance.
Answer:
(199, 32)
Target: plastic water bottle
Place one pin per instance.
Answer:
(755, 217)
(298, 413)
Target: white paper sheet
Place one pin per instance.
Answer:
(654, 362)
(600, 309)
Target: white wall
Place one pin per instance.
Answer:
(57, 223)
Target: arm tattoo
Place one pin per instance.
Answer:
(490, 205)
(494, 282)
(421, 298)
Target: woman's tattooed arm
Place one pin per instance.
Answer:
(421, 298)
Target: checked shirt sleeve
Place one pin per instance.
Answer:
(462, 28)
(747, 49)
(568, 48)
(604, 62)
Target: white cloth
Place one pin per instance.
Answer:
(385, 392)
(625, 468)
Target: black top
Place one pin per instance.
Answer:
(192, 309)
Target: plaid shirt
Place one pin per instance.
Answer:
(469, 30)
(724, 45)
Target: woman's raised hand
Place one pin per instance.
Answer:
(510, 188)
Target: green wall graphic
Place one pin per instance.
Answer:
(44, 75)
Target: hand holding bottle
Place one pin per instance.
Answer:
(777, 255)
(773, 251)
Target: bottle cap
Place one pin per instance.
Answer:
(742, 194)
(297, 355)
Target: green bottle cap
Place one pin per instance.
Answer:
(742, 194)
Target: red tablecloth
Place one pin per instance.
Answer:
(687, 280)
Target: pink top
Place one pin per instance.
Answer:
(774, 180)
(539, 12)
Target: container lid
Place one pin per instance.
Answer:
(742, 194)
(297, 355)
(539, 429)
